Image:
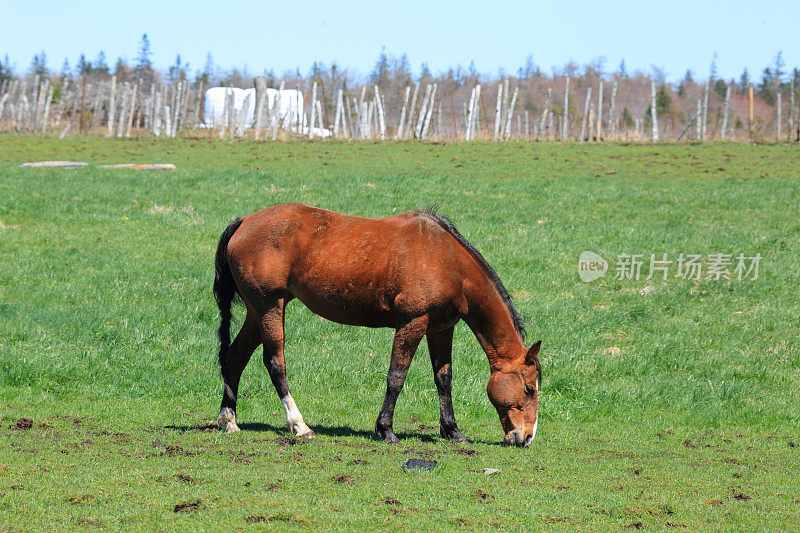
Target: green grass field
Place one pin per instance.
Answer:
(665, 404)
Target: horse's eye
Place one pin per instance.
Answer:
(528, 390)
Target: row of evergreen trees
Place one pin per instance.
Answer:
(390, 71)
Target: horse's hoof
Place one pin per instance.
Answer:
(459, 438)
(302, 431)
(391, 438)
(226, 420)
(454, 435)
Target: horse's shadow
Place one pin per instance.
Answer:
(328, 431)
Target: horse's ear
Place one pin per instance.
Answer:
(530, 357)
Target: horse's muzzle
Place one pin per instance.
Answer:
(518, 438)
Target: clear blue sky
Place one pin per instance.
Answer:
(675, 36)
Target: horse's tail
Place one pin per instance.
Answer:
(225, 292)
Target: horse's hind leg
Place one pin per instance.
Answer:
(440, 346)
(406, 340)
(272, 333)
(243, 346)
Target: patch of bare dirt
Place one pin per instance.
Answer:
(22, 424)
(184, 477)
(88, 522)
(188, 507)
(468, 452)
(289, 440)
(80, 500)
(290, 518)
(344, 480)
(741, 496)
(559, 520)
(390, 501)
(484, 497)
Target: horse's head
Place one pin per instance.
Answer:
(514, 391)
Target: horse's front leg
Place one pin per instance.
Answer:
(273, 334)
(440, 346)
(406, 340)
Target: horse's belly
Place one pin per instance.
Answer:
(346, 305)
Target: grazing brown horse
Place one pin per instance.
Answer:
(413, 272)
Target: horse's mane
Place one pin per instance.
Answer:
(430, 212)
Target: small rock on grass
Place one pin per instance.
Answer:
(418, 464)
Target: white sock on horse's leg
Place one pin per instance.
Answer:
(294, 419)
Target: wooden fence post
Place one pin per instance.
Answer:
(599, 134)
(338, 114)
(585, 116)
(241, 119)
(470, 114)
(47, 107)
(411, 110)
(121, 113)
(96, 107)
(381, 116)
(504, 110)
(83, 101)
(542, 121)
(430, 113)
(750, 115)
(565, 121)
(612, 119)
(498, 117)
(133, 108)
(725, 112)
(653, 112)
(313, 110)
(704, 130)
(422, 112)
(453, 116)
(400, 124)
(778, 117)
(510, 113)
(155, 119)
(277, 120)
(260, 84)
(791, 109)
(112, 102)
(61, 101)
(699, 120)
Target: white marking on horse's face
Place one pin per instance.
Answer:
(226, 420)
(294, 419)
(536, 423)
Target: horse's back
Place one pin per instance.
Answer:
(348, 269)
